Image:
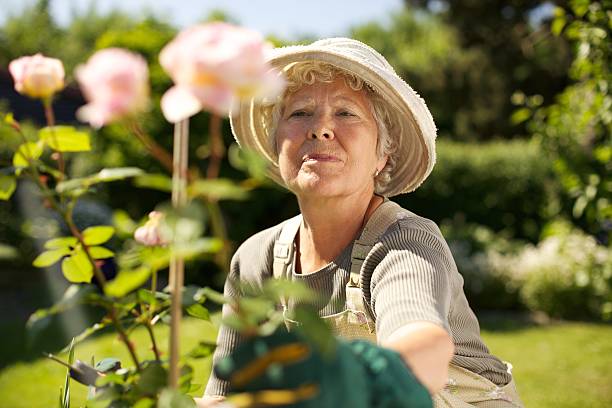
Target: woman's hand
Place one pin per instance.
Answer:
(285, 370)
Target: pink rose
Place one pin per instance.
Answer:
(37, 76)
(213, 65)
(149, 234)
(115, 83)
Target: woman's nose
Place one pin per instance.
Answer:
(321, 130)
(322, 134)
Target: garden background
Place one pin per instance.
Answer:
(520, 92)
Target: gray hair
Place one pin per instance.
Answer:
(307, 73)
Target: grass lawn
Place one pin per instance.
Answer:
(556, 365)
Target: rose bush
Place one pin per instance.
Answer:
(213, 66)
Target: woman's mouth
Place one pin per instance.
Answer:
(319, 157)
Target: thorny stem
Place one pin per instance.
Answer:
(152, 146)
(149, 317)
(218, 229)
(51, 123)
(102, 281)
(67, 216)
(217, 149)
(149, 327)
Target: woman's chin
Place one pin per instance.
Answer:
(318, 185)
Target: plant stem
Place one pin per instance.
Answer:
(153, 343)
(152, 146)
(219, 230)
(49, 115)
(217, 149)
(149, 317)
(67, 216)
(179, 199)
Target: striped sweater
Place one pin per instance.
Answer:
(409, 275)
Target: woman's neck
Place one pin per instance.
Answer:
(329, 225)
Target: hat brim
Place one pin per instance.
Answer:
(415, 143)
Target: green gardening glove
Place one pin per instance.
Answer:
(285, 370)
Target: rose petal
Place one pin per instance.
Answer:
(179, 103)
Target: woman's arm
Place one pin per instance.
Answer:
(427, 349)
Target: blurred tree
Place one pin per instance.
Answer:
(466, 58)
(577, 129)
(29, 33)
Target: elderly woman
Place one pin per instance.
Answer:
(347, 134)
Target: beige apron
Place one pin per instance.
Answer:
(464, 388)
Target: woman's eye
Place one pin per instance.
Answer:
(299, 113)
(345, 113)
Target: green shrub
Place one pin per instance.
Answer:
(506, 186)
(568, 276)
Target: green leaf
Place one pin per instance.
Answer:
(87, 332)
(27, 152)
(98, 235)
(557, 25)
(198, 311)
(65, 139)
(77, 268)
(152, 379)
(185, 377)
(103, 176)
(316, 330)
(123, 223)
(9, 119)
(170, 398)
(48, 258)
(247, 160)
(117, 173)
(159, 182)
(98, 252)
(218, 189)
(62, 242)
(146, 296)
(214, 296)
(8, 252)
(7, 186)
(279, 288)
(202, 350)
(75, 294)
(145, 403)
(109, 379)
(256, 308)
(520, 115)
(189, 250)
(127, 281)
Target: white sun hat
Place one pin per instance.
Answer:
(415, 155)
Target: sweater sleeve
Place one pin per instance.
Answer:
(410, 278)
(227, 339)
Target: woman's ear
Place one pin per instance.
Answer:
(382, 162)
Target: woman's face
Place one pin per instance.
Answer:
(326, 139)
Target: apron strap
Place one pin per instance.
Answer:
(384, 216)
(283, 255)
